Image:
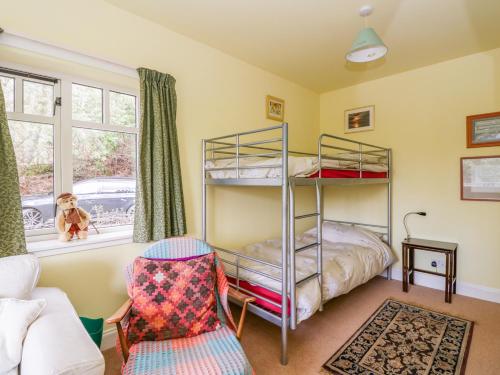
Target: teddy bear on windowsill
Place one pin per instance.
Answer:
(71, 220)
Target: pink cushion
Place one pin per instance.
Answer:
(172, 298)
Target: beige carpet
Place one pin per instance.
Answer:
(316, 339)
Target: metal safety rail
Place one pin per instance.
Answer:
(329, 149)
(273, 144)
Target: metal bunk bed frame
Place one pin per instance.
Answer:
(233, 150)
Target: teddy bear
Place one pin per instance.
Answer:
(71, 220)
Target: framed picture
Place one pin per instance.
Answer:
(275, 108)
(359, 119)
(483, 130)
(480, 178)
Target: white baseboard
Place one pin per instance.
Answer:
(465, 289)
(108, 339)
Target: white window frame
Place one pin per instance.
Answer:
(54, 121)
(63, 158)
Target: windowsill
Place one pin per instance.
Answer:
(45, 248)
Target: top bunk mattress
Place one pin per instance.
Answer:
(372, 166)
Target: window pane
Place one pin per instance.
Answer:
(104, 175)
(38, 98)
(122, 109)
(87, 103)
(8, 92)
(34, 148)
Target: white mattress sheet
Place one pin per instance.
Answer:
(345, 266)
(297, 166)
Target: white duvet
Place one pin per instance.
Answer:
(351, 257)
(297, 166)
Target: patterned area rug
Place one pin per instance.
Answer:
(407, 340)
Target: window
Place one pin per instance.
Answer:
(88, 145)
(8, 92)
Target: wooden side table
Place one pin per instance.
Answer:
(447, 248)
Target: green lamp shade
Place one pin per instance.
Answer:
(366, 47)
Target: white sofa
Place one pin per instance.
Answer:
(56, 342)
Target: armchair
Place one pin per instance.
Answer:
(217, 352)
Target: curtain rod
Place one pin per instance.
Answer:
(28, 75)
(22, 42)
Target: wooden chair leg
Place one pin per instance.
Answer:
(123, 341)
(242, 320)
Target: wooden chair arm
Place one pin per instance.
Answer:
(237, 295)
(116, 318)
(245, 300)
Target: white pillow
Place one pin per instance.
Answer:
(342, 233)
(15, 317)
(336, 232)
(19, 274)
(354, 156)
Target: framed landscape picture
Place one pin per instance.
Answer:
(275, 108)
(480, 178)
(483, 130)
(359, 119)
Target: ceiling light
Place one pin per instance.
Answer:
(367, 46)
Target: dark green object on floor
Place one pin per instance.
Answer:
(94, 327)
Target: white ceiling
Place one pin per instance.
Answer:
(305, 41)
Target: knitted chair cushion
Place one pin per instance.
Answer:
(216, 353)
(173, 298)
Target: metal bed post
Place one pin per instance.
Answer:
(237, 156)
(291, 244)
(319, 239)
(319, 223)
(389, 207)
(360, 147)
(320, 138)
(204, 192)
(284, 245)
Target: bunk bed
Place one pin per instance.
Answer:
(293, 286)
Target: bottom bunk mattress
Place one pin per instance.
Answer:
(351, 257)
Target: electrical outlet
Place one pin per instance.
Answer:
(437, 263)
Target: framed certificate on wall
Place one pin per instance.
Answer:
(480, 178)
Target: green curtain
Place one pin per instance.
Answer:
(12, 241)
(159, 208)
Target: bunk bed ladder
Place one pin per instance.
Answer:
(294, 250)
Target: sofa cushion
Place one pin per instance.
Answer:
(173, 298)
(15, 317)
(57, 343)
(19, 274)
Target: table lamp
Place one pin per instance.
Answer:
(421, 213)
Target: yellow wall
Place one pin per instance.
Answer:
(217, 94)
(421, 115)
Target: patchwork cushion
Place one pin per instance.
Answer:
(172, 299)
(215, 353)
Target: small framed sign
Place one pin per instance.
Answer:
(480, 178)
(483, 130)
(275, 108)
(359, 119)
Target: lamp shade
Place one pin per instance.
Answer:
(366, 47)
